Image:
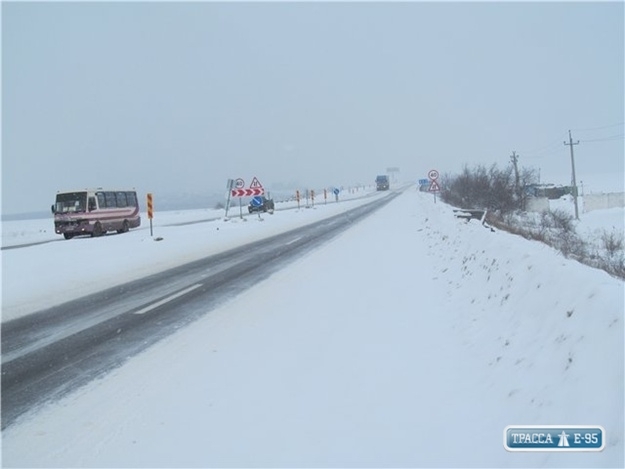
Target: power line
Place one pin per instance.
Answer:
(540, 152)
(599, 128)
(542, 149)
(605, 139)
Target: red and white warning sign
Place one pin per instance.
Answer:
(247, 192)
(256, 188)
(433, 175)
(434, 187)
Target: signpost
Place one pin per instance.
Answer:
(393, 170)
(434, 187)
(236, 188)
(229, 186)
(257, 202)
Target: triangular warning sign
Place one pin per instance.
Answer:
(434, 187)
(256, 184)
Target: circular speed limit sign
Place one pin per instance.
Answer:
(239, 183)
(433, 174)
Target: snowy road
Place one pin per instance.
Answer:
(410, 340)
(51, 352)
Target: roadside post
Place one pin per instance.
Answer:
(325, 196)
(312, 197)
(150, 211)
(297, 197)
(229, 186)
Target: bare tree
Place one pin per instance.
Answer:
(491, 188)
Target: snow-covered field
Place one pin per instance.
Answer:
(413, 339)
(593, 224)
(53, 276)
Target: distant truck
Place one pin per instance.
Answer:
(381, 183)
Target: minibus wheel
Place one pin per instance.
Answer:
(124, 227)
(97, 229)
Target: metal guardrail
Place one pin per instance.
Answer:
(473, 214)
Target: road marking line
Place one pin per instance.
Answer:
(169, 298)
(293, 240)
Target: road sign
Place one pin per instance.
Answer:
(423, 182)
(239, 183)
(257, 201)
(247, 192)
(434, 187)
(433, 174)
(256, 184)
(336, 191)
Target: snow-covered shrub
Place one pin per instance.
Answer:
(557, 229)
(559, 220)
(489, 188)
(612, 242)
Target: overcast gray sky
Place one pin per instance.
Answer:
(172, 97)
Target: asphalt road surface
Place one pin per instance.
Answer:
(52, 352)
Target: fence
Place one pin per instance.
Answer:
(587, 203)
(603, 201)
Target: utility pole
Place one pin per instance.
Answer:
(520, 196)
(515, 158)
(573, 175)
